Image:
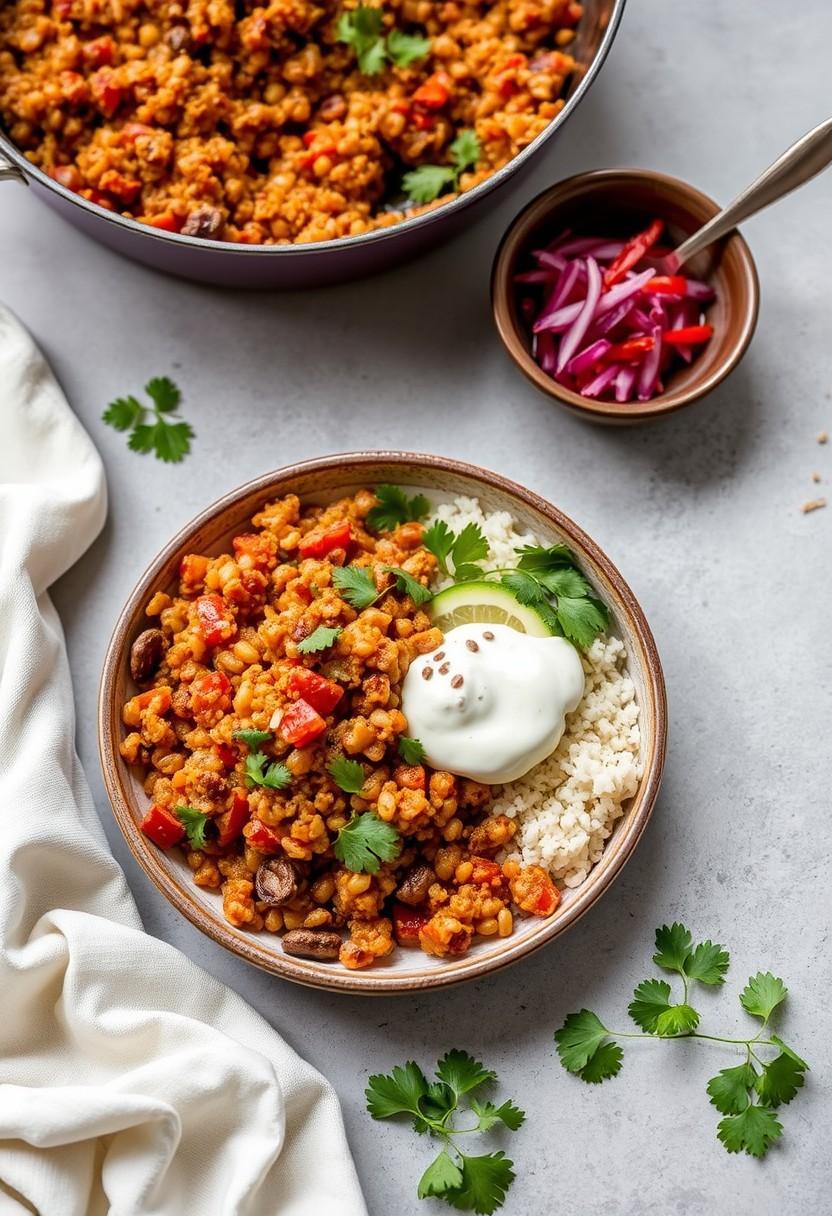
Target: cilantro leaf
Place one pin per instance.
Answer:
(728, 1090)
(651, 1009)
(411, 750)
(485, 1181)
(396, 1093)
(366, 842)
(489, 1115)
(605, 1063)
(762, 994)
(349, 775)
(274, 777)
(541, 558)
(789, 1052)
(470, 545)
(565, 581)
(164, 394)
(123, 413)
(194, 823)
(356, 585)
(404, 49)
(319, 639)
(361, 29)
(673, 945)
(411, 586)
(752, 1131)
(439, 540)
(707, 963)
(253, 738)
(142, 438)
(172, 440)
(462, 1073)
(581, 619)
(780, 1080)
(465, 150)
(526, 589)
(442, 1174)
(394, 507)
(579, 1038)
(424, 184)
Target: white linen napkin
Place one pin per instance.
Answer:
(130, 1081)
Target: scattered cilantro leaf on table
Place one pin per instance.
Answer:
(394, 508)
(169, 438)
(194, 823)
(320, 639)
(747, 1093)
(411, 750)
(426, 182)
(365, 842)
(465, 1182)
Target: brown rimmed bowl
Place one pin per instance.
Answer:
(322, 480)
(617, 203)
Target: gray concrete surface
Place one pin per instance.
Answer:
(702, 515)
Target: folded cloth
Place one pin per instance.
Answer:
(130, 1081)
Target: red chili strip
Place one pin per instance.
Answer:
(689, 335)
(633, 252)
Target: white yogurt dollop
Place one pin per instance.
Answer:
(491, 703)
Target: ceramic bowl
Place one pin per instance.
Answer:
(616, 203)
(322, 480)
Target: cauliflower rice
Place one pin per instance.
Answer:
(566, 807)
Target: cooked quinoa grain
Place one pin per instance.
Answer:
(251, 122)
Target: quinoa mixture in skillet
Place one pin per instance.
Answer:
(276, 753)
(286, 121)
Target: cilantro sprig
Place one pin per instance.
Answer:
(426, 182)
(748, 1094)
(411, 750)
(361, 28)
(167, 436)
(320, 639)
(358, 587)
(457, 553)
(260, 768)
(468, 1183)
(365, 842)
(194, 823)
(394, 508)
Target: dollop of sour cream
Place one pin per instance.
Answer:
(490, 703)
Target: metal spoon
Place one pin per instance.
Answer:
(801, 162)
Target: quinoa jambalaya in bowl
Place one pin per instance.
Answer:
(378, 723)
(285, 122)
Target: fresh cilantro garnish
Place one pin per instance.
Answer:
(409, 585)
(356, 585)
(745, 1094)
(320, 639)
(425, 183)
(411, 750)
(463, 549)
(361, 28)
(253, 738)
(194, 823)
(366, 842)
(468, 1183)
(394, 508)
(170, 438)
(259, 771)
(349, 775)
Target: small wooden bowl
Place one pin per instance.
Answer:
(617, 203)
(322, 480)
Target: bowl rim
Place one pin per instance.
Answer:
(246, 945)
(27, 170)
(613, 411)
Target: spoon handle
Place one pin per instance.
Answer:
(797, 165)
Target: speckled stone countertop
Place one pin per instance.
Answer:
(702, 515)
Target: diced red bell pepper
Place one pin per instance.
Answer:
(132, 130)
(227, 755)
(211, 691)
(406, 924)
(486, 871)
(162, 826)
(322, 694)
(258, 550)
(67, 175)
(628, 351)
(260, 836)
(688, 335)
(301, 724)
(632, 253)
(231, 823)
(665, 285)
(108, 95)
(214, 625)
(125, 189)
(434, 93)
(167, 222)
(73, 87)
(99, 52)
(318, 544)
(100, 200)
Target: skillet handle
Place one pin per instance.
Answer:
(10, 172)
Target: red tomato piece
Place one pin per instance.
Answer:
(231, 823)
(167, 222)
(406, 924)
(125, 189)
(214, 625)
(322, 694)
(68, 176)
(162, 827)
(255, 550)
(211, 691)
(227, 755)
(260, 836)
(108, 95)
(301, 724)
(318, 544)
(434, 93)
(100, 52)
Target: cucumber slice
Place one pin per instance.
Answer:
(487, 604)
